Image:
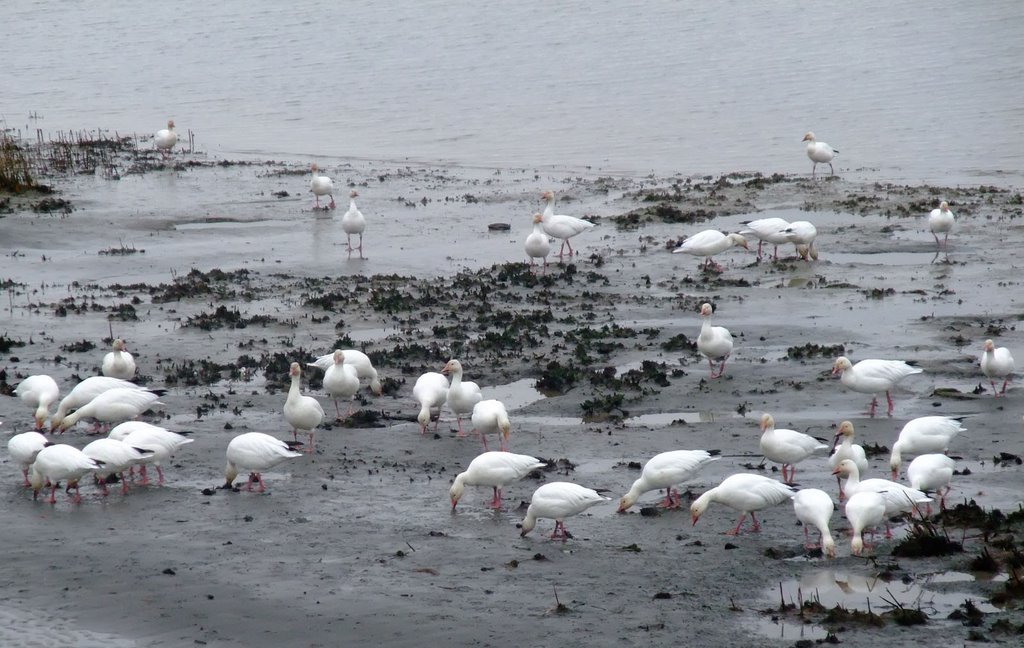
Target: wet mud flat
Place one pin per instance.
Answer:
(217, 284)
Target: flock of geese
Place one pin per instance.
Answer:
(111, 399)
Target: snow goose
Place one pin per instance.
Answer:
(714, 342)
(38, 392)
(786, 447)
(996, 363)
(666, 470)
(115, 456)
(561, 226)
(150, 438)
(353, 222)
(118, 363)
(431, 392)
(873, 376)
(709, 243)
(301, 412)
(491, 416)
(321, 186)
(494, 469)
(341, 381)
(813, 507)
(463, 395)
(166, 138)
(745, 492)
(254, 452)
(932, 472)
(538, 245)
(898, 498)
(923, 435)
(767, 230)
(87, 390)
(359, 360)
(113, 406)
(847, 450)
(802, 235)
(57, 462)
(941, 221)
(23, 449)
(819, 153)
(557, 501)
(864, 510)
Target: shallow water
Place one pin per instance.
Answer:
(921, 91)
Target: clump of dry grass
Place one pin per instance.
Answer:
(15, 175)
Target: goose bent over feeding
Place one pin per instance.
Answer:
(359, 360)
(898, 498)
(864, 510)
(932, 472)
(87, 390)
(430, 392)
(813, 507)
(115, 456)
(491, 416)
(708, 243)
(23, 449)
(665, 470)
(923, 435)
(494, 469)
(321, 186)
(767, 230)
(113, 406)
(60, 462)
(255, 452)
(557, 501)
(161, 442)
(38, 392)
(744, 492)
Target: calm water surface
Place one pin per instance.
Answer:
(907, 91)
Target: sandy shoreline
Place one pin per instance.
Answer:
(356, 544)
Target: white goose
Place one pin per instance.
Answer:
(745, 492)
(491, 416)
(84, 392)
(819, 153)
(923, 435)
(767, 230)
(538, 245)
(561, 226)
(60, 462)
(932, 472)
(321, 186)
(941, 221)
(23, 449)
(463, 395)
(898, 498)
(118, 363)
(431, 392)
(996, 363)
(864, 510)
(847, 450)
(494, 469)
(161, 442)
(802, 235)
(115, 456)
(359, 360)
(557, 501)
(38, 392)
(665, 470)
(113, 406)
(708, 243)
(353, 222)
(786, 447)
(301, 412)
(714, 342)
(813, 507)
(166, 138)
(873, 377)
(341, 381)
(255, 452)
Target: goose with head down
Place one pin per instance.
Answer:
(557, 501)
(744, 492)
(708, 243)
